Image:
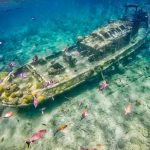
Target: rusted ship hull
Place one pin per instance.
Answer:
(83, 77)
(60, 72)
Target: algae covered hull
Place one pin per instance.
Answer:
(59, 72)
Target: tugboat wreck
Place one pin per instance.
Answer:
(62, 71)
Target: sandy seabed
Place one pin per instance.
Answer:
(106, 123)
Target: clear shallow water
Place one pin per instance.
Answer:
(41, 27)
(57, 24)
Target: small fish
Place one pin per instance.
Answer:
(33, 18)
(22, 75)
(127, 109)
(1, 43)
(35, 101)
(35, 58)
(103, 85)
(42, 110)
(44, 124)
(8, 115)
(12, 64)
(48, 83)
(84, 113)
(60, 128)
(75, 53)
(100, 146)
(35, 137)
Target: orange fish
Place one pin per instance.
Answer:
(8, 115)
(127, 109)
(60, 128)
(84, 113)
(100, 146)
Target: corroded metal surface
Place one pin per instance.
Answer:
(63, 71)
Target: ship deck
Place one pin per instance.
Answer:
(37, 73)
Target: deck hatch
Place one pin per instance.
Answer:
(106, 35)
(122, 27)
(97, 36)
(118, 29)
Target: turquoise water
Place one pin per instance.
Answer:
(56, 24)
(42, 27)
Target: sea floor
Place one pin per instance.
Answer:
(106, 124)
